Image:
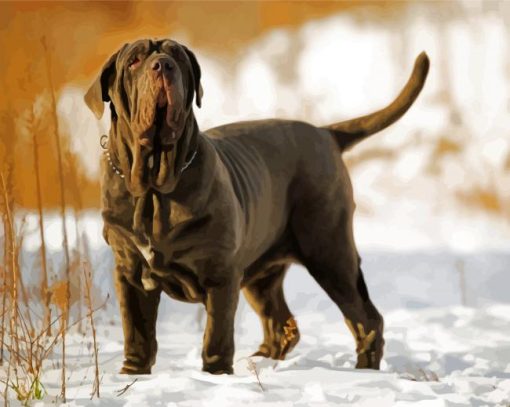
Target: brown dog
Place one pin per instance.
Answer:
(202, 215)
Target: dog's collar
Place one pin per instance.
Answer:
(114, 168)
(103, 141)
(188, 163)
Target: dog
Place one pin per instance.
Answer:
(202, 215)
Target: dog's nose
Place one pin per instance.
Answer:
(161, 65)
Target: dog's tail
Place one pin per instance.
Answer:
(351, 132)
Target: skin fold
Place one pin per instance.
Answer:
(204, 215)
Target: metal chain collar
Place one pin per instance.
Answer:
(103, 141)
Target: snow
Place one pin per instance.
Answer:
(445, 345)
(437, 353)
(451, 356)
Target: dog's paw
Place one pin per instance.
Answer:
(216, 370)
(368, 360)
(134, 371)
(264, 353)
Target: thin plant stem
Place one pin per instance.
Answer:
(45, 294)
(14, 288)
(4, 291)
(54, 117)
(88, 298)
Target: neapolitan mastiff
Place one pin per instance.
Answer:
(202, 215)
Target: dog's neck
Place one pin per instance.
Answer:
(187, 146)
(152, 210)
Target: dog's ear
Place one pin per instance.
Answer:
(98, 92)
(196, 75)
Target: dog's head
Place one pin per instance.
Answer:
(150, 85)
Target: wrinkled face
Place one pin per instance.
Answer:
(151, 85)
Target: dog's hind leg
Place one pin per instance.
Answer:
(266, 297)
(345, 285)
(349, 292)
(328, 252)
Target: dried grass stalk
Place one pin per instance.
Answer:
(53, 111)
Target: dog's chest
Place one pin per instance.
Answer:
(149, 243)
(156, 215)
(179, 213)
(176, 274)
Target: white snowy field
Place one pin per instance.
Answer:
(438, 352)
(445, 355)
(437, 268)
(448, 356)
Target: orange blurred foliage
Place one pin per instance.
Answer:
(81, 36)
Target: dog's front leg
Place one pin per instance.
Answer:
(218, 347)
(139, 311)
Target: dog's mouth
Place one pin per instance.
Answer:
(157, 124)
(160, 114)
(162, 155)
(160, 129)
(154, 155)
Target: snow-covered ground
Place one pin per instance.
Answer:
(445, 345)
(451, 356)
(442, 286)
(437, 353)
(437, 268)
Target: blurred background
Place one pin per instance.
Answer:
(437, 178)
(433, 202)
(434, 184)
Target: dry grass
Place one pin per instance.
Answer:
(420, 375)
(373, 154)
(87, 274)
(443, 147)
(29, 348)
(29, 337)
(480, 197)
(26, 348)
(461, 268)
(252, 367)
(33, 129)
(125, 388)
(66, 292)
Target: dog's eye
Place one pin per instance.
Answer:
(133, 62)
